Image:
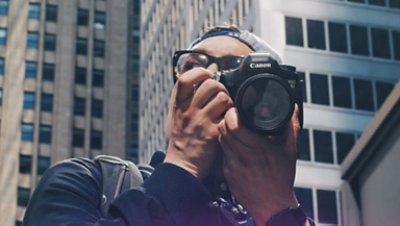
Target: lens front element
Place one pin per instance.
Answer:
(264, 103)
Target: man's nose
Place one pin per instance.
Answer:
(213, 67)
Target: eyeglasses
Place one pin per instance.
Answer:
(186, 60)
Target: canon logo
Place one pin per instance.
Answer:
(260, 65)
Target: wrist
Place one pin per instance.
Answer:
(289, 217)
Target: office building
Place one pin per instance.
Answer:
(347, 52)
(68, 88)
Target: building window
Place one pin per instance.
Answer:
(46, 102)
(337, 37)
(3, 36)
(377, 2)
(29, 100)
(27, 131)
(3, 7)
(51, 13)
(380, 43)
(294, 31)
(316, 34)
(43, 164)
(383, 90)
(25, 163)
(1, 96)
(79, 106)
(96, 139)
(80, 75)
(1, 66)
(396, 44)
(78, 137)
(394, 4)
(341, 92)
(23, 196)
(50, 41)
(48, 72)
(327, 211)
(98, 78)
(34, 11)
(344, 143)
(81, 46)
(97, 108)
(319, 89)
(323, 146)
(304, 197)
(363, 94)
(303, 145)
(33, 40)
(99, 20)
(45, 134)
(99, 48)
(359, 40)
(30, 69)
(83, 17)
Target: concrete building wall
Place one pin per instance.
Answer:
(379, 184)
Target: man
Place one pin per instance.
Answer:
(207, 142)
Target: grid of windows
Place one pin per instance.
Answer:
(1, 66)
(99, 48)
(45, 134)
(27, 131)
(325, 208)
(83, 17)
(48, 72)
(368, 95)
(3, 36)
(25, 163)
(99, 20)
(46, 104)
(50, 41)
(395, 4)
(43, 164)
(96, 139)
(30, 69)
(78, 137)
(98, 78)
(29, 100)
(32, 40)
(79, 106)
(3, 7)
(81, 46)
(80, 75)
(23, 196)
(34, 11)
(360, 36)
(51, 13)
(324, 149)
(97, 108)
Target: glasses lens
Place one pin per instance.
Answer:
(188, 61)
(229, 62)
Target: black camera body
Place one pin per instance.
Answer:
(264, 92)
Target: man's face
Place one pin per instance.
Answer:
(219, 46)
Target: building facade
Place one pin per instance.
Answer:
(68, 88)
(347, 52)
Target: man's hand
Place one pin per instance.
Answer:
(259, 169)
(192, 125)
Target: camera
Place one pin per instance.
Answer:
(264, 92)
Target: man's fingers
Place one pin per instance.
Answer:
(186, 83)
(208, 89)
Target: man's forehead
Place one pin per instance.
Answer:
(222, 45)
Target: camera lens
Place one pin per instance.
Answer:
(264, 103)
